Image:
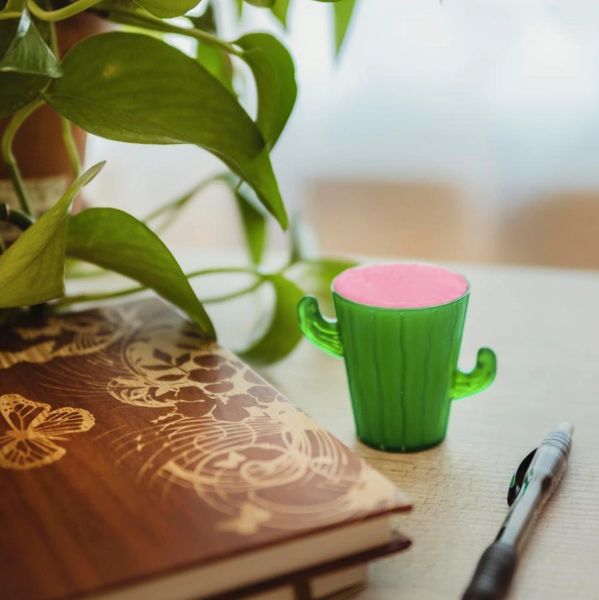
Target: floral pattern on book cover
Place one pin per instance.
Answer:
(213, 425)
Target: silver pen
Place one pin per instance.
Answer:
(532, 484)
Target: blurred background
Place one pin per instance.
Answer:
(458, 130)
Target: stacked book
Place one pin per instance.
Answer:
(141, 461)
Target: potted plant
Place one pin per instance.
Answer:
(68, 67)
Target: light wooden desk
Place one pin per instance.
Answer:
(544, 326)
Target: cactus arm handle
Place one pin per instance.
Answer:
(322, 332)
(481, 377)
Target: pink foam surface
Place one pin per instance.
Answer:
(400, 285)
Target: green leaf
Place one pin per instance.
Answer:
(28, 53)
(18, 90)
(274, 73)
(133, 88)
(239, 6)
(22, 49)
(167, 8)
(206, 21)
(10, 29)
(342, 13)
(283, 333)
(215, 60)
(32, 269)
(280, 9)
(316, 276)
(297, 241)
(261, 2)
(117, 241)
(254, 224)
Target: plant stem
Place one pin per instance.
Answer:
(61, 13)
(18, 219)
(233, 295)
(71, 148)
(219, 270)
(6, 15)
(74, 274)
(67, 132)
(67, 300)
(125, 16)
(178, 203)
(9, 158)
(53, 34)
(17, 182)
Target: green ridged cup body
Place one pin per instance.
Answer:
(400, 366)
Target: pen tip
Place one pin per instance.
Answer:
(566, 427)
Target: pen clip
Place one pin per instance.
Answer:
(518, 478)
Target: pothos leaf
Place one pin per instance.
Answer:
(261, 2)
(28, 53)
(167, 8)
(342, 13)
(10, 31)
(280, 9)
(239, 6)
(316, 276)
(26, 63)
(283, 333)
(32, 268)
(215, 60)
(206, 21)
(117, 241)
(253, 222)
(121, 86)
(18, 90)
(274, 73)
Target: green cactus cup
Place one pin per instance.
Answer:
(399, 332)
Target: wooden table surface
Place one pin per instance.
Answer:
(544, 327)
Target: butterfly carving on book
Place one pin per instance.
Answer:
(34, 429)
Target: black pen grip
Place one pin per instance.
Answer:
(493, 573)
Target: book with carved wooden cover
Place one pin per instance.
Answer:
(139, 460)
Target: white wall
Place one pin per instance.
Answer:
(499, 97)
